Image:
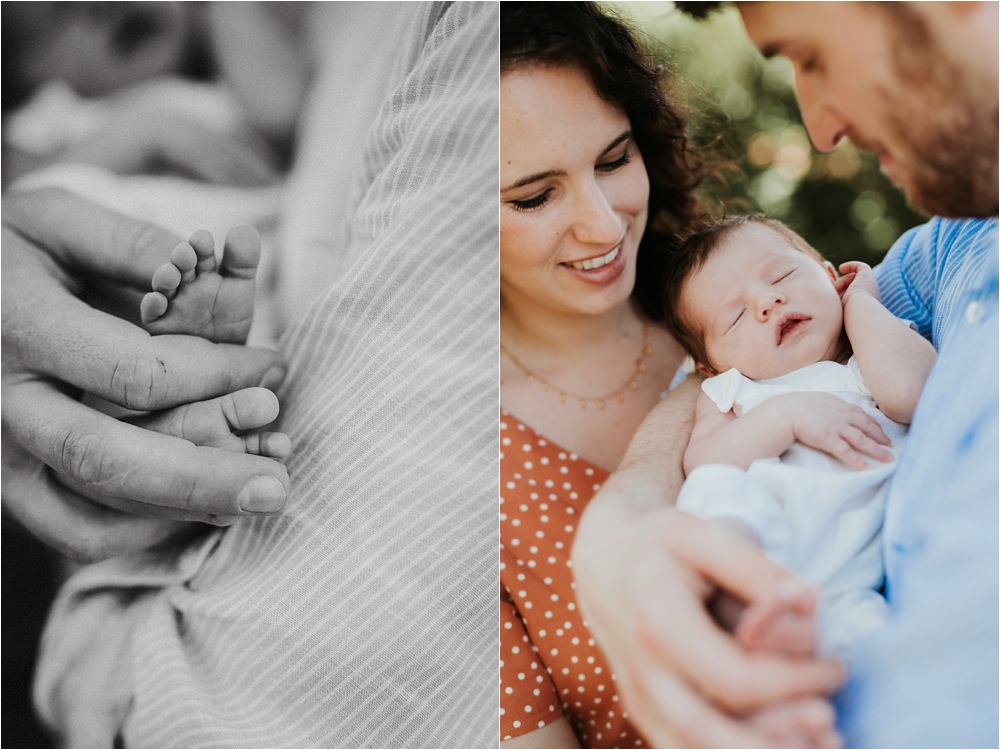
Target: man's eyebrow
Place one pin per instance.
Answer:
(621, 138)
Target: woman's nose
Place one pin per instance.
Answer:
(767, 304)
(596, 220)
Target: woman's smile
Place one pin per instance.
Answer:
(602, 269)
(574, 196)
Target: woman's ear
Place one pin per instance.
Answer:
(831, 271)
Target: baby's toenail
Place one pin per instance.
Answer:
(273, 378)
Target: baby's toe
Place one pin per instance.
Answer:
(152, 307)
(184, 257)
(166, 279)
(242, 253)
(271, 444)
(204, 247)
(250, 408)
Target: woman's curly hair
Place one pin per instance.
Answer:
(581, 34)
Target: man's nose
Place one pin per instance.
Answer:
(596, 222)
(825, 125)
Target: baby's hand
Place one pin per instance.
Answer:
(857, 279)
(830, 424)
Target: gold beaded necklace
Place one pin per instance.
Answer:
(618, 395)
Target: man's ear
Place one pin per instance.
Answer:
(831, 271)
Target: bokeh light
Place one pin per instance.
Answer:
(744, 109)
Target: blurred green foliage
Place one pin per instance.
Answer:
(744, 109)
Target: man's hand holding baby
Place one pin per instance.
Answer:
(56, 345)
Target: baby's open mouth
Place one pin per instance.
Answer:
(788, 324)
(592, 263)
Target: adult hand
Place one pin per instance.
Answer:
(145, 141)
(644, 572)
(57, 249)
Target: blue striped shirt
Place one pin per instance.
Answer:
(931, 678)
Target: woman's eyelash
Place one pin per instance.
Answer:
(530, 203)
(618, 163)
(538, 201)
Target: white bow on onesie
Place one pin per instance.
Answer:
(813, 514)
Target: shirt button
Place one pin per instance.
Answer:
(975, 312)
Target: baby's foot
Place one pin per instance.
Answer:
(784, 624)
(196, 294)
(232, 422)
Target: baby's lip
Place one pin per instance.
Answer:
(787, 323)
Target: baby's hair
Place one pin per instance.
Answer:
(691, 254)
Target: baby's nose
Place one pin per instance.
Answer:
(767, 304)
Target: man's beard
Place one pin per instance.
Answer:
(945, 127)
(952, 168)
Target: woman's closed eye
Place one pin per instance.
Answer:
(615, 164)
(529, 204)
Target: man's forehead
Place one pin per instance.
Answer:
(777, 28)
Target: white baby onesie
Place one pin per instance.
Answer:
(813, 514)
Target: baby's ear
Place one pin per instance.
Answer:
(831, 271)
(705, 370)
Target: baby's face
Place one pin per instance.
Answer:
(762, 306)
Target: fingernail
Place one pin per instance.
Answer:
(273, 378)
(263, 494)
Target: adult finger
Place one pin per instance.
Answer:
(76, 527)
(86, 236)
(671, 714)
(121, 460)
(57, 335)
(709, 658)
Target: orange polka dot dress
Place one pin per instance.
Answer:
(549, 662)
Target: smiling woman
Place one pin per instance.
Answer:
(595, 181)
